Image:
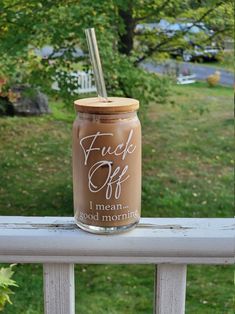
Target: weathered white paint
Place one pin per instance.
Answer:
(155, 240)
(170, 289)
(115, 260)
(186, 79)
(59, 289)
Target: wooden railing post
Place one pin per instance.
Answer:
(59, 296)
(170, 289)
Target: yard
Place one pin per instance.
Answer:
(187, 172)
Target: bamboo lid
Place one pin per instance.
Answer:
(115, 105)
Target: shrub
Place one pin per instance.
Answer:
(6, 274)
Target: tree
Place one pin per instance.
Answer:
(25, 25)
(217, 15)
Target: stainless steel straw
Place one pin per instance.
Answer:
(96, 64)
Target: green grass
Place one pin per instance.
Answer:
(187, 172)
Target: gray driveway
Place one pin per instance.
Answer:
(201, 71)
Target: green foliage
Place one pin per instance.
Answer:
(125, 80)
(6, 274)
(227, 60)
(25, 25)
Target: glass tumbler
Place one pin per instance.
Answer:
(107, 165)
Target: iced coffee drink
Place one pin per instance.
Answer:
(107, 164)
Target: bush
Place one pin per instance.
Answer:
(6, 274)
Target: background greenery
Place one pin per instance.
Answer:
(187, 155)
(187, 172)
(26, 25)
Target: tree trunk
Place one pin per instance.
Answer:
(125, 44)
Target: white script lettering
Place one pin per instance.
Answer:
(119, 150)
(113, 177)
(110, 179)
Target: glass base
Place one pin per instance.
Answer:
(106, 230)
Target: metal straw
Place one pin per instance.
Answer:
(96, 64)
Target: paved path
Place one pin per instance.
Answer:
(201, 71)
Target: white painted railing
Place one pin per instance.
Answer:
(170, 244)
(84, 81)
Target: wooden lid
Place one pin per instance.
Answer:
(115, 105)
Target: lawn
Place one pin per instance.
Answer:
(187, 172)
